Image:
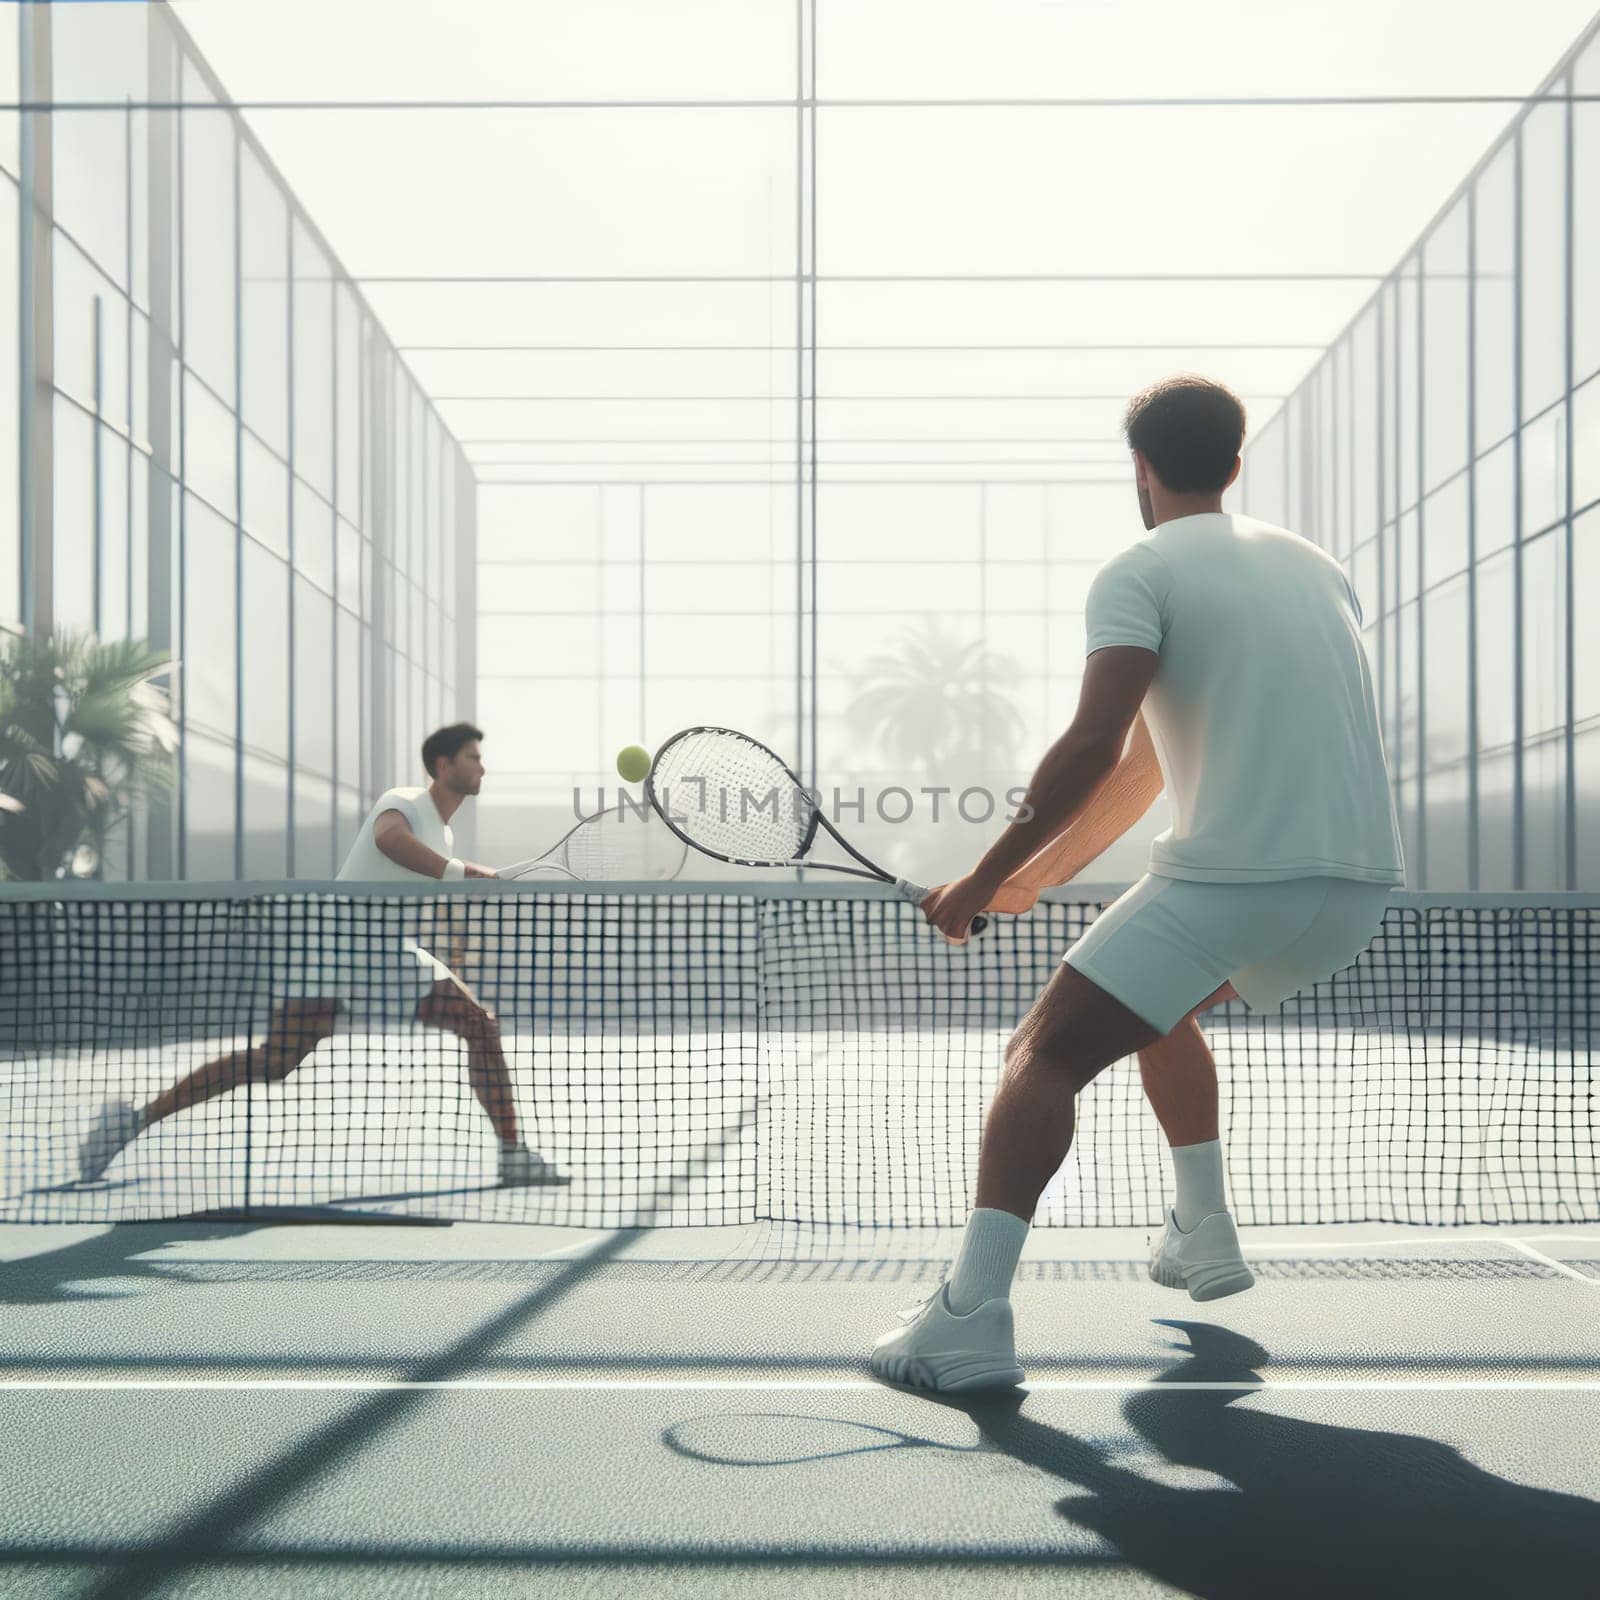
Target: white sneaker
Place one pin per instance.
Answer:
(115, 1127)
(1207, 1261)
(936, 1349)
(522, 1168)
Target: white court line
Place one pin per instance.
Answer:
(1550, 1261)
(1256, 1246)
(551, 1255)
(780, 1386)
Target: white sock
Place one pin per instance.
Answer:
(986, 1261)
(1200, 1178)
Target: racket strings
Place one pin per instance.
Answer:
(733, 798)
(623, 844)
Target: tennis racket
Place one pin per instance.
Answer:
(620, 843)
(733, 799)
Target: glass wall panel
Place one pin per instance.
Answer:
(1544, 471)
(1364, 424)
(114, 604)
(1267, 487)
(1586, 638)
(265, 724)
(265, 823)
(1496, 495)
(1445, 389)
(313, 827)
(1495, 780)
(270, 454)
(10, 549)
(90, 319)
(209, 647)
(1444, 550)
(1586, 444)
(1544, 799)
(264, 303)
(1495, 237)
(313, 363)
(348, 577)
(208, 807)
(1544, 279)
(1407, 756)
(208, 242)
(266, 495)
(97, 53)
(1496, 666)
(1447, 802)
(313, 536)
(314, 685)
(1408, 299)
(1544, 634)
(1586, 760)
(1586, 218)
(1448, 672)
(74, 513)
(348, 419)
(351, 814)
(352, 711)
(210, 446)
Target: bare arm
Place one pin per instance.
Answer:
(451, 926)
(1076, 768)
(1124, 797)
(1081, 763)
(393, 836)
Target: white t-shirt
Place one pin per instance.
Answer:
(366, 863)
(1262, 709)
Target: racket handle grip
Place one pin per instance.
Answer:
(916, 894)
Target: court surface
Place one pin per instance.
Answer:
(225, 1409)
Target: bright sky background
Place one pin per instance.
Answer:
(1341, 189)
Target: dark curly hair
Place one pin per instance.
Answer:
(445, 744)
(1189, 429)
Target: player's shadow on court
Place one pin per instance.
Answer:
(108, 1265)
(1311, 1510)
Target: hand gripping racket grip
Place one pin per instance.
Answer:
(916, 894)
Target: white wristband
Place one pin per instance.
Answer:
(455, 867)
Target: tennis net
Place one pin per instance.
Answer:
(727, 1053)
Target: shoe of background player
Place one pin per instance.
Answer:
(522, 1168)
(115, 1127)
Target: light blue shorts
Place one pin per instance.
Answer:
(1168, 943)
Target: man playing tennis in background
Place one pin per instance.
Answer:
(1242, 644)
(329, 962)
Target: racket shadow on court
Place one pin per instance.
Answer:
(1305, 1509)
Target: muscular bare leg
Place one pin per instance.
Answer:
(1074, 1031)
(296, 1029)
(1180, 1079)
(453, 1007)
(962, 1337)
(1180, 1082)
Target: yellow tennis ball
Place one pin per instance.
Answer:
(633, 762)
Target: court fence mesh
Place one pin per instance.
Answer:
(731, 1053)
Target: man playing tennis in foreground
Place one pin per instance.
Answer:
(329, 964)
(1241, 642)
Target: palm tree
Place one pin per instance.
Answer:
(84, 732)
(936, 704)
